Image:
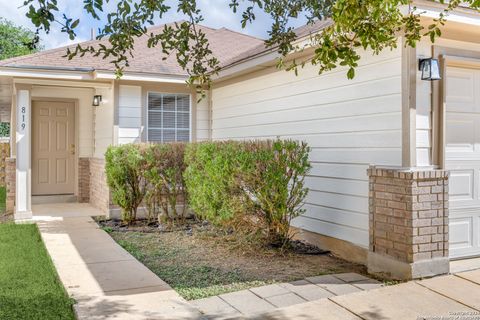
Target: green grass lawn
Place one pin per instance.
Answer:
(3, 198)
(4, 216)
(29, 285)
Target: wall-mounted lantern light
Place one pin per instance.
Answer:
(430, 69)
(96, 100)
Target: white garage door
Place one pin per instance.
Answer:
(463, 159)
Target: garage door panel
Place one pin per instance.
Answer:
(462, 185)
(462, 148)
(464, 232)
(460, 133)
(476, 230)
(461, 90)
(461, 231)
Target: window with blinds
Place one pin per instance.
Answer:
(168, 117)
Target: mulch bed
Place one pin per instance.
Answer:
(295, 246)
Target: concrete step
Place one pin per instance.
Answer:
(68, 198)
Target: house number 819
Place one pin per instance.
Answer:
(22, 125)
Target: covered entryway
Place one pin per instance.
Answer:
(462, 158)
(53, 147)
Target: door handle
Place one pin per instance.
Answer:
(72, 148)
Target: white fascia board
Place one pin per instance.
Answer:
(60, 83)
(460, 15)
(51, 74)
(87, 75)
(164, 78)
(248, 64)
(256, 61)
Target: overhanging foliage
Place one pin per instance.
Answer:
(356, 25)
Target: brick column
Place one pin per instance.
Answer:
(4, 154)
(408, 222)
(83, 180)
(99, 190)
(10, 177)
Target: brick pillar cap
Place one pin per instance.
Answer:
(411, 172)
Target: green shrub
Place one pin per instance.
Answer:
(253, 186)
(273, 181)
(164, 168)
(210, 180)
(124, 167)
(257, 183)
(4, 129)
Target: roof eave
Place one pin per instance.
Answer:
(259, 60)
(75, 73)
(46, 72)
(439, 7)
(142, 76)
(429, 9)
(246, 65)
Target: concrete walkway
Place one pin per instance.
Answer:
(108, 283)
(104, 279)
(271, 297)
(446, 297)
(457, 266)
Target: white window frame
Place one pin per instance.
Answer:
(190, 117)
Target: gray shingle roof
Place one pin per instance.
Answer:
(303, 31)
(227, 45)
(224, 44)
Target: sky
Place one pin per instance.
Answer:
(217, 14)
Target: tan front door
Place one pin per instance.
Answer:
(53, 148)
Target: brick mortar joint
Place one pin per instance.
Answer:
(399, 173)
(385, 243)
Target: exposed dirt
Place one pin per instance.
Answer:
(199, 260)
(4, 217)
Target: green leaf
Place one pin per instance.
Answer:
(351, 73)
(356, 26)
(75, 24)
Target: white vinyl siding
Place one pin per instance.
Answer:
(129, 114)
(349, 124)
(202, 122)
(168, 117)
(103, 122)
(423, 111)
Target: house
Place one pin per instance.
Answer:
(396, 159)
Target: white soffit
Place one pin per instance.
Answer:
(165, 78)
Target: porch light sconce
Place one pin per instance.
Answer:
(430, 69)
(96, 100)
